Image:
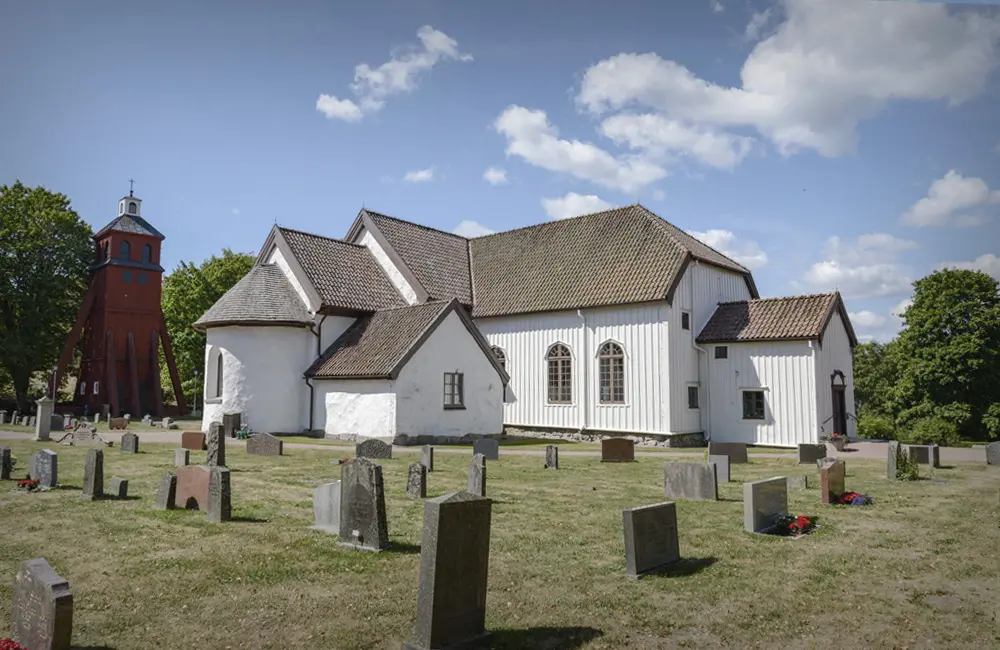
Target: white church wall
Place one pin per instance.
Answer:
(262, 376)
(365, 408)
(365, 238)
(330, 328)
(834, 354)
(419, 386)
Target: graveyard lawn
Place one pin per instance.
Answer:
(917, 569)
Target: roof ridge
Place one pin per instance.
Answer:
(312, 234)
(414, 223)
(827, 294)
(657, 218)
(422, 304)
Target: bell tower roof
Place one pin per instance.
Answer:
(130, 219)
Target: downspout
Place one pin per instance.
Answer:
(312, 389)
(708, 393)
(585, 358)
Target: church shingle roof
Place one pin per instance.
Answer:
(775, 319)
(264, 296)
(132, 224)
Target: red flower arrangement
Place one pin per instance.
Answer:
(11, 644)
(836, 436)
(854, 499)
(29, 484)
(794, 526)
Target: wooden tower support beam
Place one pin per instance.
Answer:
(175, 378)
(155, 389)
(112, 372)
(133, 371)
(74, 334)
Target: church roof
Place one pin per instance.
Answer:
(264, 296)
(133, 224)
(775, 319)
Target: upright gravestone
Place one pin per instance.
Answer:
(798, 481)
(193, 484)
(551, 457)
(454, 569)
(831, 482)
(326, 508)
(695, 481)
(43, 419)
(617, 450)
(488, 447)
(41, 617)
(892, 450)
(57, 422)
(935, 452)
(105, 412)
(265, 444)
(216, 445)
(737, 451)
(166, 492)
(117, 423)
(427, 457)
(763, 501)
(93, 475)
(147, 420)
(477, 476)
(32, 421)
(373, 448)
(219, 495)
(119, 487)
(194, 440)
(5, 463)
(45, 467)
(182, 457)
(993, 453)
(3, 417)
(130, 443)
(810, 453)
(416, 481)
(920, 454)
(26, 421)
(721, 462)
(362, 506)
(230, 424)
(650, 538)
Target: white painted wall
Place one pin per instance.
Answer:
(262, 376)
(834, 354)
(362, 407)
(365, 238)
(330, 328)
(420, 386)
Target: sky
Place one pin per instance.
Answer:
(851, 145)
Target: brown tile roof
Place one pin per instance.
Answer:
(774, 319)
(344, 275)
(264, 296)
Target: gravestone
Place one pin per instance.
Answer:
(216, 445)
(454, 570)
(166, 492)
(427, 457)
(326, 508)
(194, 440)
(762, 501)
(373, 448)
(721, 462)
(362, 506)
(831, 482)
(182, 457)
(3, 417)
(993, 453)
(551, 457)
(130, 443)
(41, 617)
(935, 451)
(220, 506)
(809, 453)
(923, 454)
(117, 423)
(892, 449)
(696, 481)
(45, 467)
(192, 487)
(617, 450)
(57, 422)
(42, 420)
(119, 487)
(821, 462)
(231, 424)
(105, 412)
(650, 538)
(737, 451)
(416, 481)
(798, 482)
(167, 423)
(488, 447)
(93, 475)
(25, 420)
(33, 421)
(265, 444)
(477, 476)
(147, 420)
(5, 463)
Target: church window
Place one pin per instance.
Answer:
(132, 207)
(454, 397)
(124, 250)
(147, 253)
(560, 380)
(83, 388)
(611, 373)
(97, 387)
(721, 352)
(218, 375)
(753, 405)
(501, 357)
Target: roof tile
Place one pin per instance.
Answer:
(771, 319)
(264, 295)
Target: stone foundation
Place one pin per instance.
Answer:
(672, 440)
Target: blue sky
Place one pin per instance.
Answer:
(768, 128)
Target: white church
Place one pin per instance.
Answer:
(613, 323)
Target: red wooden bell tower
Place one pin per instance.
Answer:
(122, 322)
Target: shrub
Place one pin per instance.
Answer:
(906, 467)
(930, 431)
(875, 426)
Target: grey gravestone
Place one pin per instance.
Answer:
(763, 501)
(362, 506)
(265, 444)
(33, 421)
(489, 448)
(147, 420)
(45, 467)
(130, 443)
(93, 475)
(326, 508)
(57, 422)
(217, 445)
(695, 481)
(831, 482)
(810, 453)
(427, 457)
(182, 457)
(117, 423)
(231, 424)
(551, 457)
(373, 448)
(5, 467)
(892, 450)
(721, 462)
(119, 487)
(220, 506)
(650, 538)
(416, 481)
(3, 417)
(821, 462)
(454, 569)
(737, 451)
(993, 453)
(105, 412)
(935, 451)
(25, 420)
(166, 492)
(41, 617)
(800, 482)
(477, 476)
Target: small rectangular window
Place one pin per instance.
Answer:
(83, 388)
(692, 397)
(721, 352)
(685, 320)
(753, 405)
(126, 276)
(453, 391)
(97, 387)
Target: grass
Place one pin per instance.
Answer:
(918, 569)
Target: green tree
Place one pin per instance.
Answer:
(875, 373)
(188, 293)
(46, 251)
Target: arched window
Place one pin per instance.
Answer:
(218, 375)
(611, 371)
(132, 207)
(147, 253)
(501, 357)
(560, 374)
(124, 250)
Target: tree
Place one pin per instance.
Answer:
(188, 293)
(875, 372)
(46, 251)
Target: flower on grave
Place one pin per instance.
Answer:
(794, 526)
(11, 644)
(836, 436)
(344, 460)
(854, 499)
(29, 484)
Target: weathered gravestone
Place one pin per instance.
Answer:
(182, 457)
(105, 412)
(166, 493)
(798, 482)
(650, 538)
(216, 445)
(809, 453)
(25, 420)
(3, 417)
(488, 447)
(42, 420)
(192, 487)
(617, 450)
(130, 443)
(45, 467)
(326, 508)
(231, 424)
(117, 423)
(416, 481)
(219, 507)
(477, 476)
(194, 440)
(265, 444)
(362, 506)
(993, 453)
(763, 501)
(119, 487)
(737, 451)
(372, 448)
(147, 420)
(551, 457)
(93, 475)
(831, 482)
(721, 462)
(57, 422)
(695, 481)
(893, 452)
(5, 463)
(925, 454)
(454, 569)
(427, 457)
(33, 421)
(41, 617)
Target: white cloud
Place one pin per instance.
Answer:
(236, 211)
(372, 86)
(495, 176)
(419, 175)
(901, 307)
(472, 229)
(866, 268)
(988, 263)
(947, 197)
(826, 67)
(747, 253)
(659, 136)
(866, 319)
(758, 23)
(573, 205)
(717, 7)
